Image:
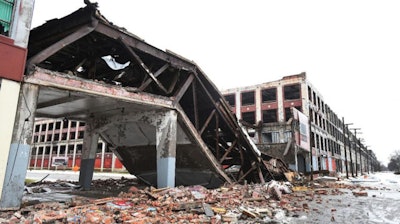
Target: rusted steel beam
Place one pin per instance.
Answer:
(212, 114)
(183, 89)
(58, 101)
(46, 53)
(217, 136)
(136, 43)
(228, 151)
(156, 74)
(62, 81)
(195, 107)
(223, 114)
(142, 65)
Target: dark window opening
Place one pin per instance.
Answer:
(73, 124)
(64, 136)
(56, 137)
(309, 94)
(270, 116)
(248, 98)
(99, 147)
(42, 138)
(58, 125)
(230, 99)
(292, 92)
(47, 152)
(79, 148)
(82, 124)
(35, 138)
(49, 137)
(37, 128)
(72, 135)
(249, 117)
(70, 149)
(268, 95)
(51, 126)
(266, 137)
(80, 134)
(288, 112)
(62, 149)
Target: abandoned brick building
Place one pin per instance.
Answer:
(267, 111)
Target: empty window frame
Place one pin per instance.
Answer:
(292, 92)
(248, 98)
(270, 116)
(230, 99)
(249, 117)
(268, 95)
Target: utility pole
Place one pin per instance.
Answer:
(355, 150)
(345, 150)
(350, 148)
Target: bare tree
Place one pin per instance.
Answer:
(394, 164)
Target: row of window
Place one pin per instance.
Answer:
(290, 92)
(64, 149)
(268, 116)
(50, 137)
(58, 125)
(325, 144)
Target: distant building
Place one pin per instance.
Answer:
(267, 111)
(63, 139)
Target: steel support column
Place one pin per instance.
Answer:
(166, 128)
(90, 140)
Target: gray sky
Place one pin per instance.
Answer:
(350, 49)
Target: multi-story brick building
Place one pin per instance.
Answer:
(267, 109)
(56, 140)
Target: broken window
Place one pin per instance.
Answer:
(292, 92)
(270, 116)
(230, 99)
(49, 137)
(73, 124)
(70, 149)
(266, 137)
(79, 148)
(64, 136)
(248, 98)
(37, 128)
(309, 94)
(51, 125)
(268, 95)
(58, 125)
(72, 135)
(80, 134)
(35, 138)
(56, 137)
(288, 112)
(6, 11)
(249, 117)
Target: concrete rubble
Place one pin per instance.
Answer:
(272, 202)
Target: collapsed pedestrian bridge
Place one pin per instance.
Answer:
(162, 116)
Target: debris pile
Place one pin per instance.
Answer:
(249, 203)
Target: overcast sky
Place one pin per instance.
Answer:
(350, 50)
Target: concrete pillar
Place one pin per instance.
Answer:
(88, 158)
(166, 128)
(17, 157)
